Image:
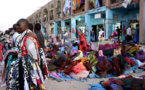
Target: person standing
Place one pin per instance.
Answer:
(92, 35)
(136, 38)
(39, 34)
(29, 46)
(118, 30)
(129, 33)
(15, 37)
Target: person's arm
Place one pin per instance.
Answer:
(30, 46)
(31, 34)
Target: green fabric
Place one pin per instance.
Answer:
(128, 81)
(107, 42)
(108, 52)
(93, 62)
(52, 68)
(10, 60)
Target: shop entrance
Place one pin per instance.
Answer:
(96, 29)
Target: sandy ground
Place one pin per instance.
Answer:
(73, 85)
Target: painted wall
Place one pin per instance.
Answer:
(144, 24)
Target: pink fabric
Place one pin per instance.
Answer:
(92, 46)
(73, 52)
(78, 68)
(54, 74)
(101, 53)
(54, 38)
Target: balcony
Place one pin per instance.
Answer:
(92, 5)
(116, 1)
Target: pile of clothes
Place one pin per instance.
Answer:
(121, 83)
(109, 61)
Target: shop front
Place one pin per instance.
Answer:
(78, 26)
(95, 21)
(123, 18)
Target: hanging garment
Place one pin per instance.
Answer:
(78, 3)
(97, 4)
(65, 6)
(74, 5)
(82, 1)
(126, 2)
(1, 53)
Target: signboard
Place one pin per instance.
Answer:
(97, 16)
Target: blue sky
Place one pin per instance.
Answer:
(12, 10)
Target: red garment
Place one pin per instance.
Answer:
(24, 51)
(129, 61)
(124, 29)
(83, 43)
(1, 54)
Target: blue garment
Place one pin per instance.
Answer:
(136, 38)
(93, 36)
(97, 4)
(96, 87)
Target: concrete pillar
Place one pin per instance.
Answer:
(55, 28)
(108, 3)
(108, 22)
(86, 5)
(73, 23)
(88, 26)
(142, 21)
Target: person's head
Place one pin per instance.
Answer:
(117, 27)
(15, 27)
(137, 25)
(102, 29)
(37, 27)
(30, 26)
(22, 25)
(110, 37)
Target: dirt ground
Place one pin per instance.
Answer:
(51, 84)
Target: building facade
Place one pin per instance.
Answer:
(90, 15)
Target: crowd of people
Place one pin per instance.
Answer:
(27, 60)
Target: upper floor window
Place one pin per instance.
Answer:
(58, 9)
(45, 15)
(40, 17)
(52, 12)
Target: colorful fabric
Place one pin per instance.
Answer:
(78, 68)
(1, 53)
(83, 43)
(140, 55)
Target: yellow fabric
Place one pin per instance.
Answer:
(35, 66)
(74, 7)
(42, 87)
(79, 3)
(102, 38)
